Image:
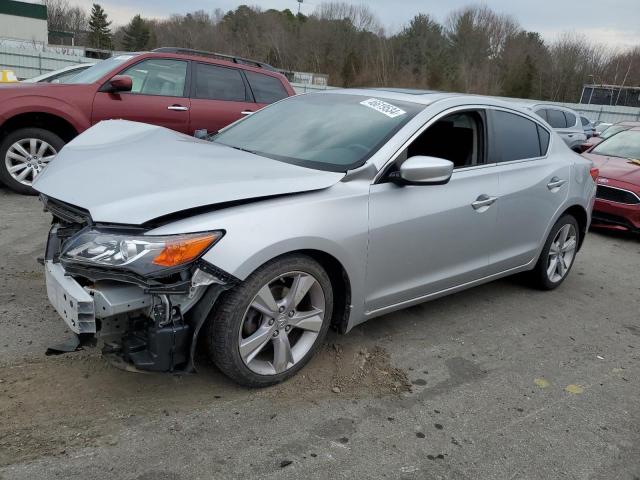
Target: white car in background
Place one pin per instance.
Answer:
(61, 75)
(564, 121)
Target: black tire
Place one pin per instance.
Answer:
(24, 133)
(227, 317)
(538, 276)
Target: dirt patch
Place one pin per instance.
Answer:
(48, 406)
(80, 400)
(345, 367)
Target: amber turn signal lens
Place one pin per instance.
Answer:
(594, 173)
(182, 250)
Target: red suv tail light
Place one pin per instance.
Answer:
(594, 172)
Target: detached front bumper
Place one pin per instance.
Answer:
(156, 332)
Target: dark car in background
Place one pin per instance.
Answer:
(617, 203)
(184, 90)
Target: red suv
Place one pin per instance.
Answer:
(185, 90)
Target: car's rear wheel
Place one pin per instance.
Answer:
(558, 254)
(266, 329)
(24, 154)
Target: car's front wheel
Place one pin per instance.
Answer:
(266, 329)
(558, 254)
(24, 154)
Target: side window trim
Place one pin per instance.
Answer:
(248, 96)
(187, 79)
(530, 118)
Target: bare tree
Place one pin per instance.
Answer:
(475, 50)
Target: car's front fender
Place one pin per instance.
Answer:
(332, 221)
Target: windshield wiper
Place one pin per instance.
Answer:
(241, 149)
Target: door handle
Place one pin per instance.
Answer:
(483, 201)
(555, 182)
(177, 108)
(247, 112)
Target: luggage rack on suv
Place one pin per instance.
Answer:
(220, 56)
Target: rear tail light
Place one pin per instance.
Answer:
(594, 172)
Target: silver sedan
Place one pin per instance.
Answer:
(322, 210)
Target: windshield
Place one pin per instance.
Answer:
(99, 70)
(323, 131)
(612, 130)
(624, 144)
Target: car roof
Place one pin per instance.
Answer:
(553, 105)
(423, 97)
(427, 97)
(207, 59)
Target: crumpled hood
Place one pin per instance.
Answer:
(130, 173)
(616, 168)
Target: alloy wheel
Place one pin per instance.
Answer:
(26, 158)
(561, 253)
(282, 323)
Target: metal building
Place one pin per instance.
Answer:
(23, 21)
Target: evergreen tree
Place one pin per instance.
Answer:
(99, 31)
(136, 35)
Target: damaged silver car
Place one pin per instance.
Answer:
(323, 210)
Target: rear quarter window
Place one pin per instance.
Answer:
(544, 136)
(514, 137)
(266, 89)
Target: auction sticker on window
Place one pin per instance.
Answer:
(387, 109)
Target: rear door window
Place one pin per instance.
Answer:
(543, 114)
(571, 119)
(556, 118)
(219, 83)
(266, 89)
(514, 137)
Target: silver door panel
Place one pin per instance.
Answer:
(424, 239)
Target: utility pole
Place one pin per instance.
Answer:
(299, 5)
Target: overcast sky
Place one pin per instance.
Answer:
(614, 22)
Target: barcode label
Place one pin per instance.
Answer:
(387, 109)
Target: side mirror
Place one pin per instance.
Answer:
(596, 134)
(120, 83)
(421, 170)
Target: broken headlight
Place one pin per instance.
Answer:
(142, 254)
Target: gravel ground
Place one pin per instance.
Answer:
(498, 382)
